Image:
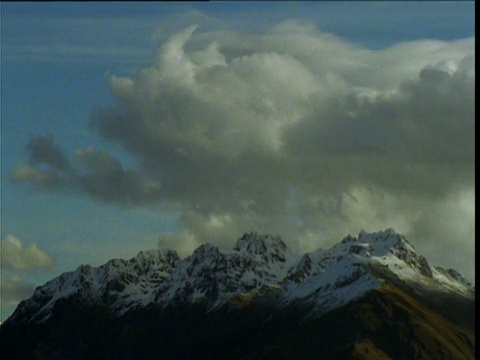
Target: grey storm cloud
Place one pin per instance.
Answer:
(294, 132)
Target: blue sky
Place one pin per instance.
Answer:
(59, 65)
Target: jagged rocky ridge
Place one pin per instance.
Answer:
(257, 268)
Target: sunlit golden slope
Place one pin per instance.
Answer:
(394, 325)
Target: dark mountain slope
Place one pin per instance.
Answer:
(371, 297)
(385, 324)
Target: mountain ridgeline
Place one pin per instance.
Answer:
(369, 297)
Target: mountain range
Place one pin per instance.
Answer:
(371, 296)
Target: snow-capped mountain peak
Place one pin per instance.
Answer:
(118, 284)
(214, 276)
(256, 266)
(326, 279)
(255, 243)
(390, 247)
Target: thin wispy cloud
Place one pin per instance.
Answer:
(68, 41)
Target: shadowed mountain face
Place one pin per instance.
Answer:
(371, 297)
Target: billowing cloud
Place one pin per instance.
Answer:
(17, 256)
(295, 132)
(14, 289)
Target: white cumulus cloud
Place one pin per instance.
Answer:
(17, 256)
